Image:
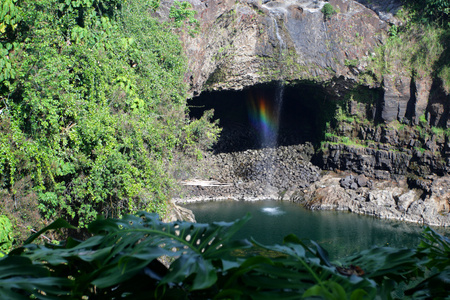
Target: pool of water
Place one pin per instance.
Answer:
(340, 233)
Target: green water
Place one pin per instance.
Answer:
(340, 233)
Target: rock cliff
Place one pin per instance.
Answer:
(393, 123)
(247, 42)
(242, 43)
(285, 173)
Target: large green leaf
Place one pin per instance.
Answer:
(385, 262)
(58, 224)
(121, 261)
(291, 271)
(20, 278)
(435, 287)
(125, 248)
(436, 247)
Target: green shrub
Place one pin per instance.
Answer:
(200, 134)
(6, 238)
(438, 131)
(423, 120)
(328, 10)
(329, 135)
(183, 13)
(98, 109)
(419, 47)
(341, 116)
(430, 10)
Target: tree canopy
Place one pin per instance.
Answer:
(93, 107)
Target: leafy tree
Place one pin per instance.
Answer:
(94, 108)
(430, 10)
(182, 13)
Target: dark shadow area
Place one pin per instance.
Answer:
(438, 107)
(378, 108)
(252, 117)
(410, 108)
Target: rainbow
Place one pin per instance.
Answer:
(263, 117)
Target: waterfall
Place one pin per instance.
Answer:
(270, 135)
(281, 43)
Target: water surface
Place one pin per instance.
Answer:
(340, 233)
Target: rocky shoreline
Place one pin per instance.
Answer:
(386, 199)
(286, 173)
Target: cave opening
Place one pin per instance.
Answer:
(267, 115)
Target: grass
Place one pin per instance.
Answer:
(342, 116)
(421, 150)
(345, 140)
(415, 49)
(351, 62)
(438, 131)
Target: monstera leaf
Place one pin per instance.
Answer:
(138, 240)
(436, 247)
(124, 249)
(291, 271)
(122, 261)
(21, 278)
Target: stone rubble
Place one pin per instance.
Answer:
(388, 199)
(286, 173)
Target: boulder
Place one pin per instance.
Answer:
(384, 199)
(362, 181)
(178, 213)
(404, 201)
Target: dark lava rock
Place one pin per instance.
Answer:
(352, 182)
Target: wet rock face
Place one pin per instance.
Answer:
(385, 9)
(421, 95)
(374, 163)
(387, 151)
(246, 42)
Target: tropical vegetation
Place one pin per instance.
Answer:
(92, 118)
(418, 45)
(92, 109)
(121, 261)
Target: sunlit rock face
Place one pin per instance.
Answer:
(243, 43)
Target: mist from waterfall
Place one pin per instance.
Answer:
(265, 112)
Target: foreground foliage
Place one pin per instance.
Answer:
(120, 261)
